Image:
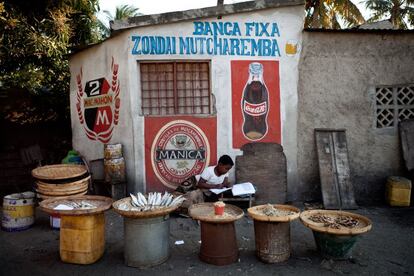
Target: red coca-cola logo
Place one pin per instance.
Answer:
(255, 109)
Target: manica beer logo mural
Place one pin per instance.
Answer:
(98, 105)
(180, 150)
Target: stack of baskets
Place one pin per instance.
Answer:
(61, 180)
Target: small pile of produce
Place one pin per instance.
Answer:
(154, 201)
(337, 222)
(272, 211)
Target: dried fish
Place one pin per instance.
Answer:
(155, 201)
(335, 222)
(80, 205)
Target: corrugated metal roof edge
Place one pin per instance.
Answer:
(358, 31)
(78, 49)
(172, 17)
(212, 11)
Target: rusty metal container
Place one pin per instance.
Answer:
(219, 243)
(146, 241)
(112, 151)
(272, 241)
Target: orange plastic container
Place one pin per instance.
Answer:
(219, 208)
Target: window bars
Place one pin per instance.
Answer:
(175, 88)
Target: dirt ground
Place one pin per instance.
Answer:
(388, 249)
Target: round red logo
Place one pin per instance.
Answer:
(180, 150)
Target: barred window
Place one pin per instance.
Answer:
(175, 88)
(393, 104)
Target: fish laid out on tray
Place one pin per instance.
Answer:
(153, 201)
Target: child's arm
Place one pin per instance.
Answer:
(202, 183)
(226, 183)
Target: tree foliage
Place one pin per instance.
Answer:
(398, 11)
(34, 45)
(121, 12)
(329, 14)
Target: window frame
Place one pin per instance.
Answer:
(393, 106)
(175, 89)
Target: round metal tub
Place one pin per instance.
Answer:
(146, 241)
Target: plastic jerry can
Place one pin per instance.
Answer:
(398, 191)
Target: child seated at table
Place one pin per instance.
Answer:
(197, 188)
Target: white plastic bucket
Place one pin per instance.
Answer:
(18, 211)
(55, 221)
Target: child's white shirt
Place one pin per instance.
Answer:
(211, 177)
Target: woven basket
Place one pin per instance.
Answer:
(102, 203)
(205, 212)
(62, 193)
(141, 214)
(62, 189)
(43, 196)
(364, 223)
(256, 214)
(59, 172)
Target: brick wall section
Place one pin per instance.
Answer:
(264, 165)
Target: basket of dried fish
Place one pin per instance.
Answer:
(272, 231)
(76, 205)
(147, 225)
(335, 222)
(274, 212)
(153, 205)
(335, 232)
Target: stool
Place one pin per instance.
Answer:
(218, 243)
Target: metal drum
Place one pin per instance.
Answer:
(146, 241)
(219, 243)
(112, 151)
(114, 170)
(272, 241)
(18, 211)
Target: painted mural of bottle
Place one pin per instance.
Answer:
(255, 104)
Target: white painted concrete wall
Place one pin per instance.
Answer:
(96, 61)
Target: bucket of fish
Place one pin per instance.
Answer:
(335, 232)
(147, 226)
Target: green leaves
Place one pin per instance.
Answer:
(328, 14)
(34, 43)
(399, 12)
(121, 12)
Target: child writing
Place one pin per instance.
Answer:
(196, 188)
(216, 177)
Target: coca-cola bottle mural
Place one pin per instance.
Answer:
(255, 104)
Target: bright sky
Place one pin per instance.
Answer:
(162, 6)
